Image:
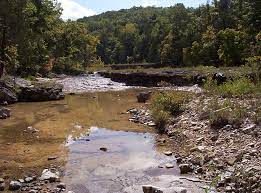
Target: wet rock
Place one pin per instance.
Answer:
(143, 97)
(2, 186)
(49, 176)
(168, 153)
(104, 149)
(5, 113)
(40, 93)
(151, 189)
(14, 185)
(185, 168)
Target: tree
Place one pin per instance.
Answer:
(232, 46)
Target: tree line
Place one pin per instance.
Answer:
(35, 40)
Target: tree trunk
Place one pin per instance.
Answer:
(3, 45)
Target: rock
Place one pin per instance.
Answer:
(143, 97)
(168, 153)
(220, 78)
(2, 186)
(169, 166)
(50, 176)
(2, 180)
(5, 113)
(249, 128)
(21, 180)
(29, 179)
(177, 190)
(231, 161)
(14, 185)
(185, 168)
(7, 91)
(40, 93)
(32, 191)
(104, 149)
(162, 140)
(151, 189)
(52, 158)
(61, 186)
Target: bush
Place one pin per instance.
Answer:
(164, 105)
(233, 88)
(221, 114)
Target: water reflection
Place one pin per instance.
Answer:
(130, 158)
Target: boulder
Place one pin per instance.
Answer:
(143, 97)
(40, 93)
(7, 92)
(5, 113)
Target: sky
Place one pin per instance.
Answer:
(74, 9)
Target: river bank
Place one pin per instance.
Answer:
(68, 137)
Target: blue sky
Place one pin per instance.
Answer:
(74, 9)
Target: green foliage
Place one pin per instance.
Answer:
(35, 40)
(167, 104)
(226, 112)
(233, 44)
(238, 87)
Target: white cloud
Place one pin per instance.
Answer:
(73, 10)
(146, 3)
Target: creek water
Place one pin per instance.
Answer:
(75, 129)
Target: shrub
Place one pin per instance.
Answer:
(164, 105)
(233, 88)
(221, 114)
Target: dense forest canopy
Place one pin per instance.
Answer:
(33, 38)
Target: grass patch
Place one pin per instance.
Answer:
(226, 112)
(239, 87)
(167, 104)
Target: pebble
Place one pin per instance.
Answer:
(168, 153)
(168, 165)
(52, 158)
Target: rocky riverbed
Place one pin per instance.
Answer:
(229, 156)
(66, 141)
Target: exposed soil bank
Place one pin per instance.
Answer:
(153, 79)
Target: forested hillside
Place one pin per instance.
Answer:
(223, 32)
(35, 40)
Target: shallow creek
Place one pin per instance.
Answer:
(74, 130)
